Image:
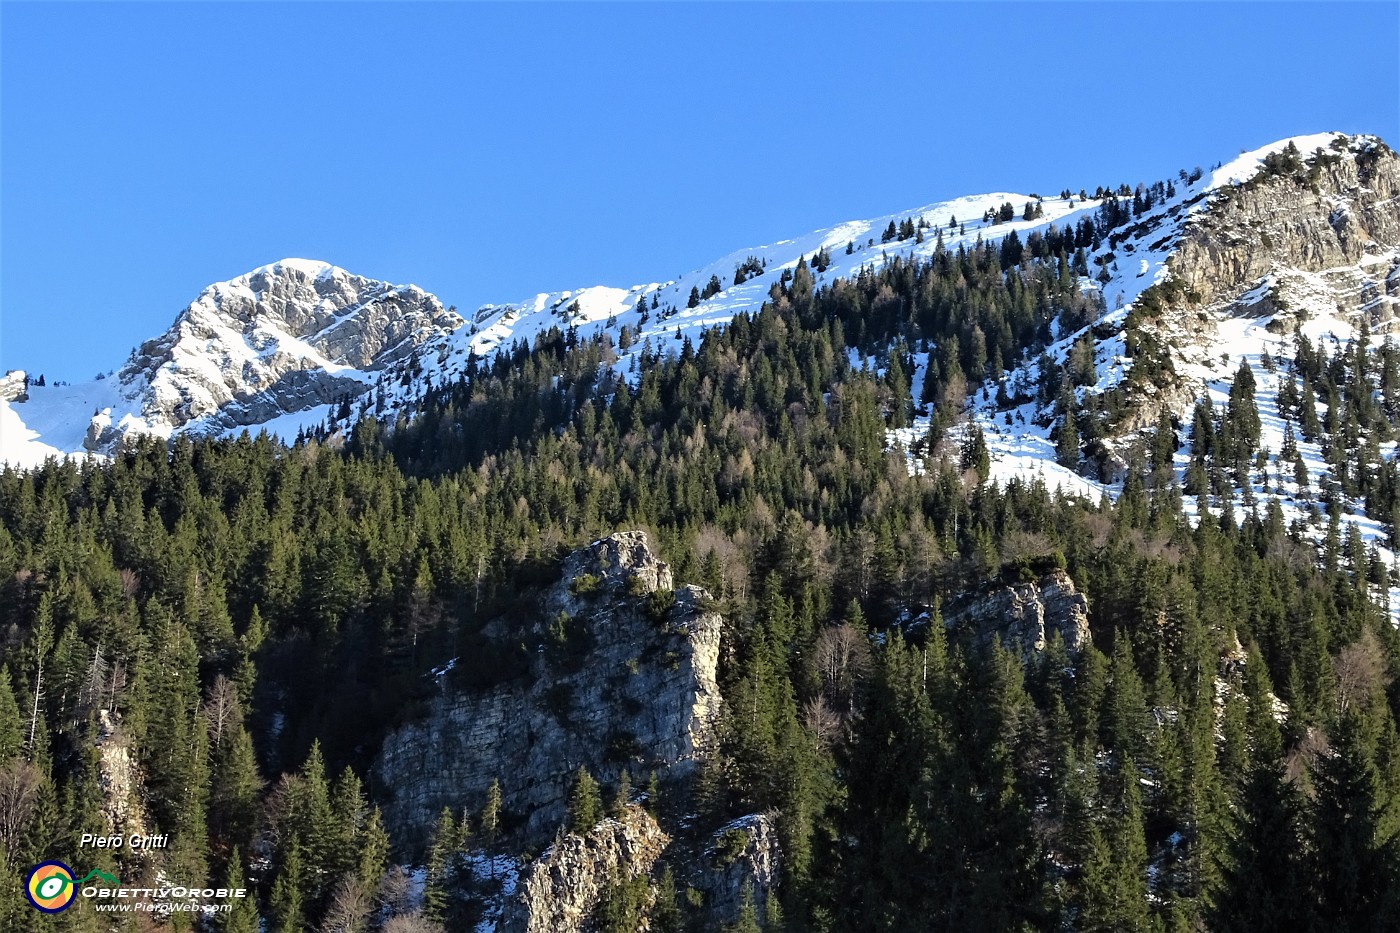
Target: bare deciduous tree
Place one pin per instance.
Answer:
(349, 909)
(411, 923)
(1360, 670)
(1301, 759)
(19, 795)
(396, 892)
(842, 657)
(821, 720)
(222, 710)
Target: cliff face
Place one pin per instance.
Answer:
(1024, 614)
(1344, 214)
(623, 678)
(280, 339)
(741, 858)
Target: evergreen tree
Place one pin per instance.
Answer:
(11, 725)
(243, 918)
(1354, 850)
(585, 804)
(288, 907)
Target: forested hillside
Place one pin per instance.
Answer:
(248, 620)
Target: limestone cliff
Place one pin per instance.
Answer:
(280, 339)
(119, 776)
(1024, 614)
(623, 677)
(1333, 218)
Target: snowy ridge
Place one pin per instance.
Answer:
(246, 352)
(275, 349)
(1254, 325)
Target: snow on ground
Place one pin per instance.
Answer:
(1021, 449)
(499, 872)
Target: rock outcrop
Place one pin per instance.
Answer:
(742, 858)
(623, 677)
(119, 777)
(1024, 614)
(14, 386)
(1344, 213)
(560, 890)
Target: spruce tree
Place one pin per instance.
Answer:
(585, 804)
(11, 725)
(491, 822)
(442, 853)
(288, 906)
(243, 917)
(1354, 850)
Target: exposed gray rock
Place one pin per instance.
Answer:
(642, 696)
(13, 386)
(119, 778)
(559, 890)
(1281, 222)
(1268, 246)
(280, 339)
(743, 854)
(1024, 614)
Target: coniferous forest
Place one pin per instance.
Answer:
(253, 618)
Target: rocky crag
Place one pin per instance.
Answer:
(1023, 614)
(560, 890)
(623, 677)
(283, 338)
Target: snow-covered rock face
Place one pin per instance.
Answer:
(280, 339)
(14, 386)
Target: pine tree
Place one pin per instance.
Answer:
(11, 725)
(491, 822)
(441, 857)
(288, 907)
(617, 808)
(1354, 861)
(1067, 444)
(585, 804)
(747, 921)
(1262, 885)
(665, 911)
(243, 918)
(233, 804)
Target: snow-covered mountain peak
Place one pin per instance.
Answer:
(284, 337)
(280, 347)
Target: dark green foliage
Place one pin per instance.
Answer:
(585, 803)
(917, 784)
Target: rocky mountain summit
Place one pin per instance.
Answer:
(622, 675)
(282, 338)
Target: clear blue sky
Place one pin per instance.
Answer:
(489, 152)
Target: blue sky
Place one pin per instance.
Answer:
(488, 152)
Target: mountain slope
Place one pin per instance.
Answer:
(281, 347)
(283, 338)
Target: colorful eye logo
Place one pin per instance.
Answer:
(50, 887)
